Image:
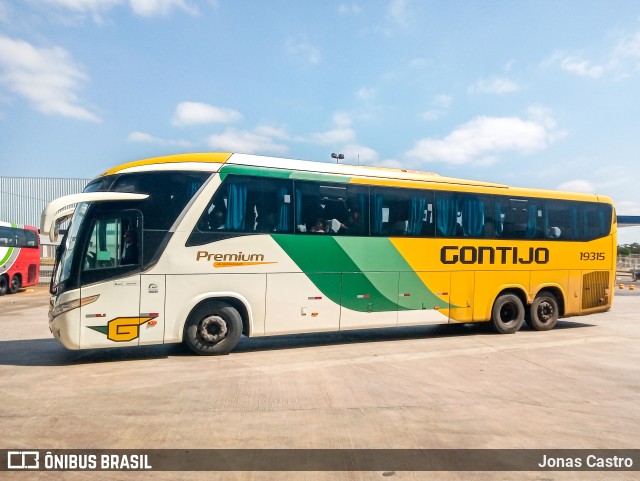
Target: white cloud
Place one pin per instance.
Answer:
(84, 6)
(483, 138)
(256, 142)
(342, 119)
(629, 46)
(582, 67)
(349, 9)
(150, 8)
(47, 77)
(333, 137)
(143, 137)
(359, 154)
(270, 131)
(495, 85)
(441, 104)
(397, 12)
(144, 8)
(190, 113)
(366, 93)
(628, 207)
(578, 185)
(303, 51)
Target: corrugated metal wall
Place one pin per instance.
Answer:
(22, 199)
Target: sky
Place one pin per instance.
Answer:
(540, 93)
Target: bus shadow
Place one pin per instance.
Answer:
(48, 352)
(295, 341)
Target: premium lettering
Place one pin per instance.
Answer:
(239, 257)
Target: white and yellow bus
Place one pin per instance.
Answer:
(205, 248)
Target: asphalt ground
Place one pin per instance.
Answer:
(436, 387)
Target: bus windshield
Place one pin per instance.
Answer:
(63, 264)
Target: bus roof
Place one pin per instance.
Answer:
(213, 162)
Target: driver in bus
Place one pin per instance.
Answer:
(130, 248)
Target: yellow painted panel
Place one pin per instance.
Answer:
(462, 289)
(541, 279)
(574, 294)
(216, 158)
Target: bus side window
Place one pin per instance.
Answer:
(249, 204)
(562, 220)
(596, 220)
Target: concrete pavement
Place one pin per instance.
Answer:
(577, 386)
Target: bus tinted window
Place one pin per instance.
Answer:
(169, 192)
(402, 212)
(462, 215)
(561, 220)
(596, 220)
(518, 218)
(7, 238)
(325, 208)
(249, 204)
(15, 237)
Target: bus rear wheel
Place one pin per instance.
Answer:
(15, 285)
(213, 328)
(544, 312)
(4, 285)
(507, 314)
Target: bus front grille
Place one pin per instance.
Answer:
(594, 289)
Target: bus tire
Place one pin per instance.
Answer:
(544, 312)
(15, 285)
(507, 314)
(4, 285)
(213, 328)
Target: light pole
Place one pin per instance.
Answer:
(337, 157)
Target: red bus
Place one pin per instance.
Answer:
(19, 257)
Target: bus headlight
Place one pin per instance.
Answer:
(68, 306)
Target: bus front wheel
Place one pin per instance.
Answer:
(213, 328)
(4, 285)
(16, 284)
(507, 315)
(544, 312)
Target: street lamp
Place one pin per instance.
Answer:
(337, 157)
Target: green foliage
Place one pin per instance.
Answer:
(626, 249)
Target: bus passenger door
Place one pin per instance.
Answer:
(110, 279)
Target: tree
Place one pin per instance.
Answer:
(626, 249)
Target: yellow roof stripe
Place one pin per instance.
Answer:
(217, 158)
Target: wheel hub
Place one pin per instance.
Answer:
(213, 329)
(545, 311)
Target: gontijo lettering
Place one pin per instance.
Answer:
(493, 255)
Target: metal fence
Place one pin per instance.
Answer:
(628, 265)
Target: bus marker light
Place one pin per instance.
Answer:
(632, 287)
(406, 294)
(364, 296)
(152, 323)
(316, 298)
(314, 314)
(620, 286)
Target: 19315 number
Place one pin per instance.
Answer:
(592, 256)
